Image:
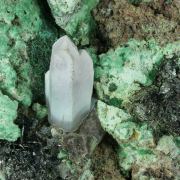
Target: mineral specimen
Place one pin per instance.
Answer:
(137, 151)
(69, 85)
(123, 127)
(163, 162)
(121, 72)
(74, 16)
(23, 53)
(142, 106)
(8, 108)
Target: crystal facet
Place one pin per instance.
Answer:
(69, 85)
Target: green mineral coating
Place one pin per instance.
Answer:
(39, 51)
(122, 72)
(128, 155)
(168, 145)
(168, 1)
(40, 110)
(112, 87)
(128, 68)
(177, 141)
(122, 126)
(136, 142)
(7, 77)
(87, 174)
(171, 49)
(93, 53)
(136, 2)
(74, 16)
(26, 40)
(8, 112)
(62, 154)
(20, 23)
(2, 175)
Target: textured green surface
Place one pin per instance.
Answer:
(119, 75)
(134, 139)
(26, 41)
(158, 105)
(121, 72)
(40, 110)
(122, 126)
(138, 1)
(74, 16)
(8, 112)
(169, 145)
(137, 148)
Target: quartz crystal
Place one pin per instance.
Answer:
(69, 85)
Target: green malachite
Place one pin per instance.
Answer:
(26, 39)
(74, 16)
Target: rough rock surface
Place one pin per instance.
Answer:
(74, 16)
(105, 161)
(22, 66)
(138, 152)
(8, 112)
(145, 121)
(139, 83)
(34, 157)
(159, 104)
(78, 147)
(44, 152)
(40, 110)
(123, 127)
(122, 72)
(118, 21)
(164, 165)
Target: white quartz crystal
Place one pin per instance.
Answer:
(68, 85)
